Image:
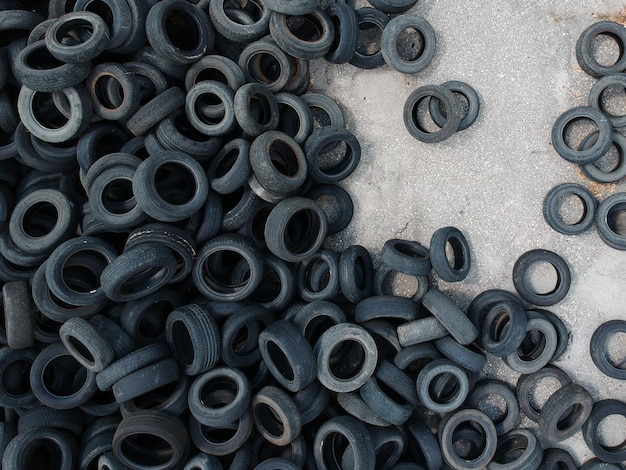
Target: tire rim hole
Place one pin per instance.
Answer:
(220, 435)
(468, 441)
(43, 454)
(46, 112)
(493, 405)
(421, 115)
(613, 100)
(317, 275)
(175, 183)
(334, 157)
(63, 376)
(370, 36)
(385, 452)
(103, 10)
(401, 284)
(149, 449)
(391, 393)
(609, 435)
(615, 350)
(321, 118)
(305, 27)
(102, 398)
(577, 130)
(117, 196)
(455, 253)
(333, 210)
(571, 209)
(616, 219)
(280, 361)
(269, 420)
(226, 387)
(183, 343)
(334, 447)
(606, 49)
(226, 163)
(265, 67)
(284, 159)
(226, 271)
(16, 378)
(316, 326)
(302, 230)
(40, 58)
(109, 92)
(75, 30)
(346, 360)
(289, 120)
(260, 108)
(87, 268)
(541, 277)
(151, 325)
(532, 346)
(182, 30)
(444, 388)
(81, 349)
(251, 8)
(40, 219)
(569, 417)
(511, 449)
(611, 160)
(410, 44)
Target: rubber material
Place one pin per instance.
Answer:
(523, 264)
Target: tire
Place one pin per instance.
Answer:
(238, 433)
(329, 110)
(459, 269)
(598, 348)
(316, 317)
(238, 31)
(138, 272)
(586, 155)
(155, 110)
(87, 49)
(116, 14)
(519, 448)
(523, 264)
(391, 36)
(422, 330)
(584, 53)
(43, 417)
(45, 209)
(212, 400)
(215, 67)
(503, 329)
(467, 357)
(452, 108)
(601, 410)
(167, 43)
(19, 314)
(79, 117)
(289, 7)
(562, 333)
(86, 344)
(328, 343)
(115, 91)
(356, 273)
(295, 118)
(606, 223)
(555, 458)
(288, 245)
(325, 265)
(230, 168)
(354, 405)
(145, 380)
(565, 412)
(483, 390)
(24, 449)
(326, 166)
(486, 451)
(276, 416)
(214, 283)
(426, 378)
(406, 256)
(354, 432)
(55, 77)
(451, 316)
(385, 307)
(296, 42)
(529, 382)
(468, 93)
(149, 193)
(287, 355)
(175, 132)
(551, 212)
(426, 449)
(208, 125)
(151, 426)
(346, 26)
(480, 304)
(194, 338)
(311, 401)
(256, 109)
(593, 172)
(16, 363)
(266, 63)
(532, 356)
(595, 97)
(375, 19)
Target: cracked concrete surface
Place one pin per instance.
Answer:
(489, 180)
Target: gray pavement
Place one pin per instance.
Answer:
(489, 180)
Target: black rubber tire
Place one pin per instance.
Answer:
(295, 229)
(451, 316)
(295, 117)
(194, 338)
(592, 171)
(519, 448)
(556, 458)
(86, 344)
(175, 132)
(266, 63)
(223, 17)
(528, 382)
(422, 330)
(331, 114)
(468, 93)
(353, 404)
(48, 74)
(194, 21)
(230, 168)
(459, 269)
(316, 317)
(91, 46)
(56, 223)
(354, 432)
(287, 355)
(425, 52)
(368, 18)
(595, 96)
(606, 223)
(584, 53)
(483, 390)
(150, 427)
(503, 329)
(562, 332)
(393, 6)
(209, 125)
(215, 67)
(327, 344)
(213, 280)
(473, 418)
(276, 416)
(219, 397)
(19, 314)
(427, 377)
(145, 380)
(130, 363)
(480, 304)
(551, 212)
(15, 392)
(426, 449)
(597, 464)
(601, 410)
(155, 110)
(565, 412)
(318, 276)
(385, 307)
(237, 435)
(23, 451)
(256, 109)
(533, 355)
(356, 273)
(289, 7)
(564, 278)
(598, 348)
(346, 25)
(278, 162)
(586, 155)
(138, 272)
(469, 358)
(312, 46)
(338, 167)
(406, 256)
(452, 108)
(116, 14)
(70, 421)
(115, 91)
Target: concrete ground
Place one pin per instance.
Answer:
(490, 180)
